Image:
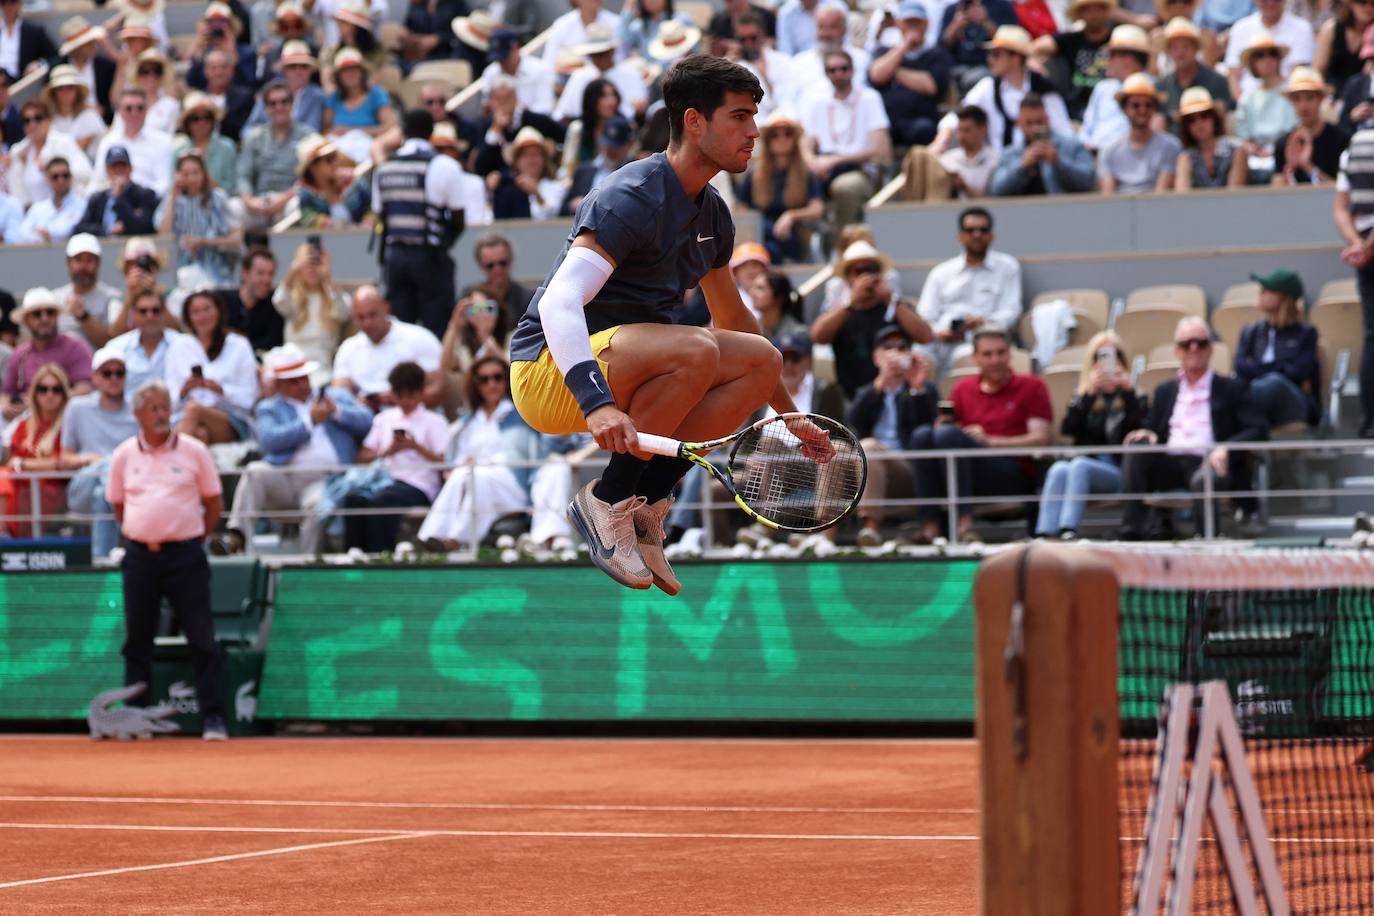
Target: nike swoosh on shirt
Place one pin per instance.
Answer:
(706, 239)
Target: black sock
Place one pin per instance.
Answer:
(620, 479)
(661, 476)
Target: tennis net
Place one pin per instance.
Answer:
(1291, 633)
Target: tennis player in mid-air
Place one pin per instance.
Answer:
(597, 350)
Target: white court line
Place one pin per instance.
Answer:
(571, 739)
(279, 851)
(467, 806)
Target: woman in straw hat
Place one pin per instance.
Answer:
(1264, 113)
(781, 187)
(27, 179)
(1166, 11)
(200, 115)
(197, 215)
(151, 75)
(1210, 159)
(326, 193)
(72, 113)
(528, 190)
(147, 14)
(640, 23)
(355, 32)
(355, 104)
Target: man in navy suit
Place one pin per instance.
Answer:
(1198, 413)
(125, 208)
(34, 44)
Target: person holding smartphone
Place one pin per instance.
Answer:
(478, 328)
(1042, 161)
(1103, 412)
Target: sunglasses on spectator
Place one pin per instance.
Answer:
(59, 176)
(430, 103)
(894, 343)
(47, 389)
(44, 313)
(112, 373)
(1266, 52)
(484, 378)
(843, 68)
(981, 229)
(749, 39)
(864, 270)
(1144, 104)
(193, 118)
(35, 119)
(279, 102)
(149, 71)
(791, 356)
(1193, 343)
(132, 108)
(152, 311)
(492, 265)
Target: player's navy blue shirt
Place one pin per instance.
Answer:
(662, 242)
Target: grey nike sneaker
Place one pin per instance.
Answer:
(649, 530)
(609, 531)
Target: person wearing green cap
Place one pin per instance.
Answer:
(1277, 355)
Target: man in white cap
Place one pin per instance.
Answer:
(93, 425)
(147, 148)
(85, 300)
(600, 51)
(45, 345)
(302, 433)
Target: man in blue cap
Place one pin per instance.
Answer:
(617, 142)
(533, 77)
(125, 207)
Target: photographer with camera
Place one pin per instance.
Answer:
(1041, 161)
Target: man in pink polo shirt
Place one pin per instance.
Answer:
(165, 492)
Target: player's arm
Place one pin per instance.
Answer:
(729, 313)
(562, 312)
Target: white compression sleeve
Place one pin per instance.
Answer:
(562, 312)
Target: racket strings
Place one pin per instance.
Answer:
(779, 482)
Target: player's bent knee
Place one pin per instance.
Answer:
(696, 352)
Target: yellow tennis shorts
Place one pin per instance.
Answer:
(542, 397)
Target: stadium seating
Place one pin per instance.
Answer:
(1187, 297)
(1143, 328)
(1230, 317)
(1090, 307)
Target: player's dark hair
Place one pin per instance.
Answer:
(406, 378)
(974, 211)
(700, 81)
(418, 124)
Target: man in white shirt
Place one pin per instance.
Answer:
(1128, 53)
(364, 360)
(847, 131)
(980, 288)
(797, 24)
(772, 67)
(570, 30)
(52, 220)
(533, 77)
(152, 352)
(149, 150)
(628, 79)
(1289, 31)
(808, 67)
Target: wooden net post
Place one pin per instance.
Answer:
(1048, 732)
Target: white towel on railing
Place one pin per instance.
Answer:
(1053, 323)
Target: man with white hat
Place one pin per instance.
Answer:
(1183, 47)
(570, 30)
(93, 425)
(81, 46)
(303, 433)
(22, 44)
(85, 300)
(1128, 53)
(38, 314)
(600, 51)
(1289, 30)
(911, 78)
(1143, 159)
(123, 206)
(148, 149)
(1311, 152)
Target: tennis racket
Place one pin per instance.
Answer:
(793, 472)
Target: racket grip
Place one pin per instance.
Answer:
(659, 445)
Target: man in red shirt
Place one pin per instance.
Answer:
(995, 409)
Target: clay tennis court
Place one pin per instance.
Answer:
(347, 825)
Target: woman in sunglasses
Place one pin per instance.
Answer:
(36, 446)
(1264, 113)
(27, 178)
(200, 116)
(73, 114)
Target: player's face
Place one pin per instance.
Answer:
(730, 134)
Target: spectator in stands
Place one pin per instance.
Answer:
(11, 124)
(600, 103)
(27, 180)
(302, 435)
(407, 437)
(196, 214)
(234, 100)
(534, 79)
(481, 488)
(1264, 113)
(777, 306)
(847, 137)
(427, 33)
(911, 78)
(53, 219)
(365, 360)
(283, 23)
(93, 425)
(479, 328)
(1210, 158)
(1144, 159)
(1041, 161)
(601, 51)
(850, 328)
(1128, 53)
(1182, 45)
(975, 291)
(11, 217)
(85, 300)
(1277, 355)
(151, 351)
(215, 402)
(36, 445)
(249, 307)
(298, 67)
(496, 258)
(997, 408)
(148, 149)
(966, 28)
(357, 35)
(1311, 152)
(1357, 99)
(314, 310)
(752, 50)
(140, 263)
(780, 186)
(200, 118)
(150, 75)
(1198, 414)
(617, 143)
(218, 31)
(837, 288)
(81, 48)
(327, 22)
(326, 194)
(570, 31)
(124, 207)
(267, 160)
(46, 346)
(748, 262)
(1281, 28)
(504, 119)
(1103, 411)
(166, 494)
(885, 413)
(999, 95)
(808, 67)
(796, 24)
(25, 43)
(727, 20)
(963, 170)
(529, 190)
(640, 24)
(69, 99)
(1081, 52)
(1336, 55)
(355, 105)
